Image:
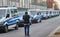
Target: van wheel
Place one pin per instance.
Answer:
(16, 28)
(38, 20)
(5, 30)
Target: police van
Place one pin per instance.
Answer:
(8, 18)
(36, 17)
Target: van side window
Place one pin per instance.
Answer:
(14, 12)
(50, 12)
(46, 12)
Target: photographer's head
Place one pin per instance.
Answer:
(26, 13)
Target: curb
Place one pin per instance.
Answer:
(55, 33)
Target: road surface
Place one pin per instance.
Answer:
(36, 30)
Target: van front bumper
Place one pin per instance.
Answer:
(1, 28)
(34, 20)
(21, 23)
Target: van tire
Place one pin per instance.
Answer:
(5, 30)
(16, 28)
(38, 20)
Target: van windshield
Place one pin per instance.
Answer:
(21, 14)
(33, 12)
(2, 13)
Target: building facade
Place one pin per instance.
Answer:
(52, 4)
(27, 3)
(3, 2)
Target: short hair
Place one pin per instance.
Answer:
(26, 12)
(37, 13)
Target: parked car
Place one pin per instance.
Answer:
(52, 14)
(45, 16)
(36, 16)
(8, 18)
(49, 14)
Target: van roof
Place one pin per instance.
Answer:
(42, 10)
(5, 7)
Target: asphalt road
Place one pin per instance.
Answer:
(36, 30)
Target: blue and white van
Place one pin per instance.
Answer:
(8, 18)
(49, 14)
(57, 13)
(44, 14)
(34, 13)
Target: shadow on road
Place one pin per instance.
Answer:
(2, 32)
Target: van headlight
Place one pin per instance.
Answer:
(34, 17)
(1, 23)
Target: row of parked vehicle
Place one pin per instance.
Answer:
(37, 16)
(42, 14)
(10, 17)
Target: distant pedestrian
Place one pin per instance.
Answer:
(26, 18)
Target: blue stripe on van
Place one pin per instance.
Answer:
(11, 21)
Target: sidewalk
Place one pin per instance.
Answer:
(55, 33)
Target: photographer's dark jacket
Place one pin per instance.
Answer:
(26, 19)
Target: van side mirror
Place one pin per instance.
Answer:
(7, 16)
